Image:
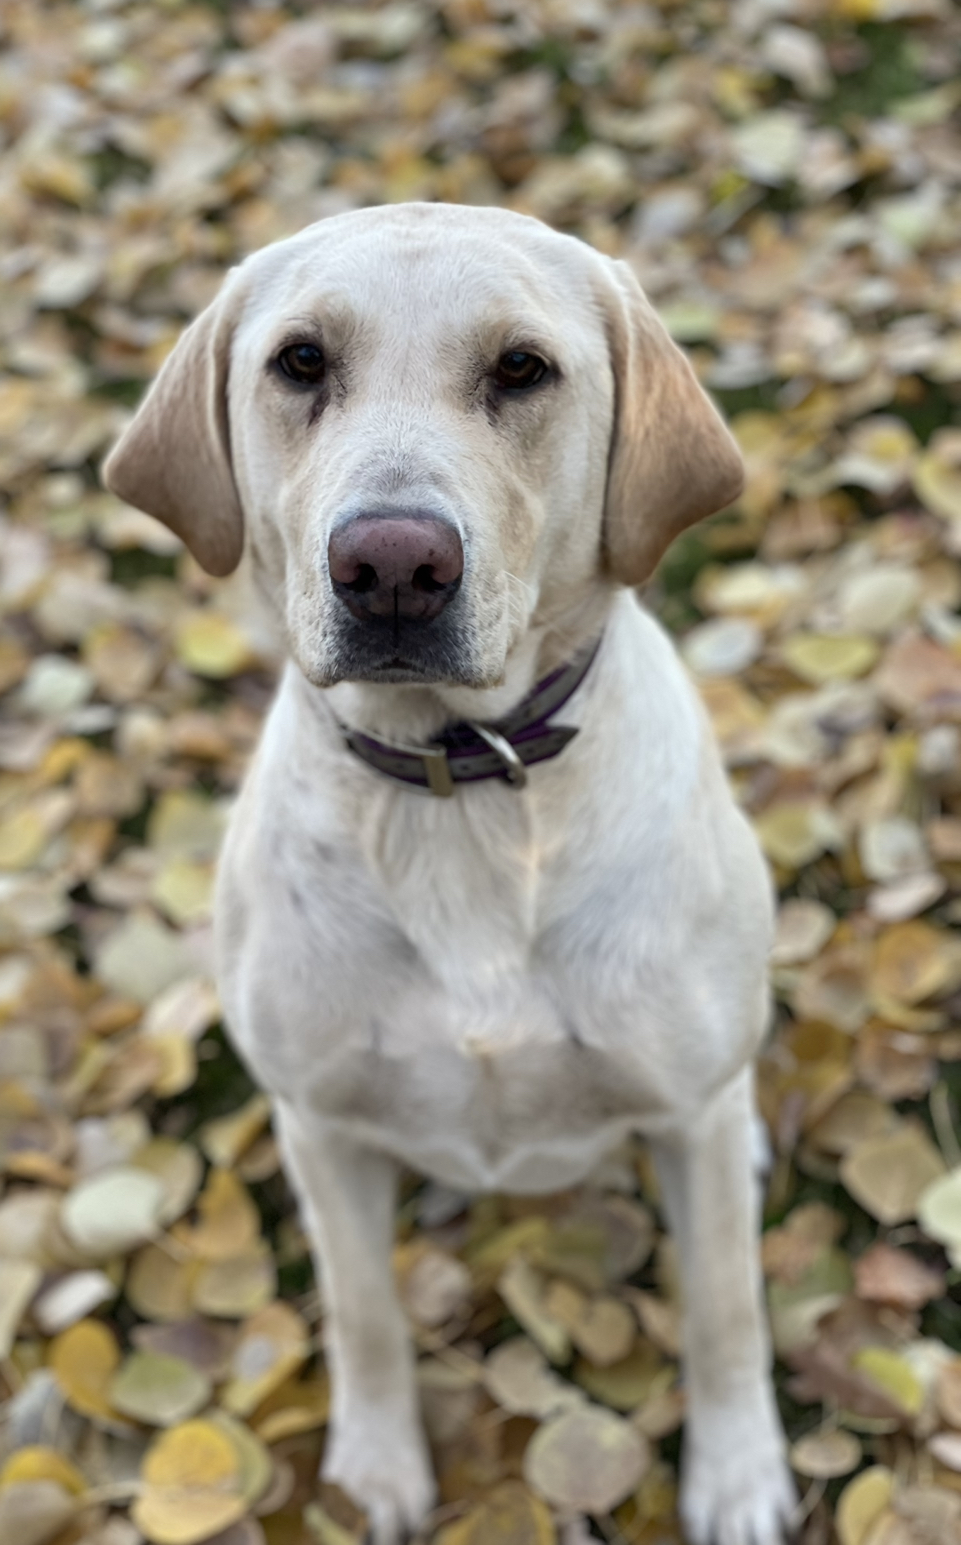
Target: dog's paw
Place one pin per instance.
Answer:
(385, 1469)
(736, 1488)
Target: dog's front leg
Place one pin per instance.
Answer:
(375, 1447)
(735, 1487)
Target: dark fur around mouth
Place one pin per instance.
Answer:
(394, 650)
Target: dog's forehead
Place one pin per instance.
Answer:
(430, 264)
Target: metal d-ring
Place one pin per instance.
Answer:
(513, 766)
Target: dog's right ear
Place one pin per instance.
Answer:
(173, 460)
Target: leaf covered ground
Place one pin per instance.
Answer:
(786, 177)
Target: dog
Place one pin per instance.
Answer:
(486, 904)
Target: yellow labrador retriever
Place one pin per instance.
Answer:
(486, 904)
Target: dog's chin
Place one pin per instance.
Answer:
(400, 672)
(426, 654)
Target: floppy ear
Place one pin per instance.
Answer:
(672, 459)
(173, 460)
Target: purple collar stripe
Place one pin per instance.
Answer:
(469, 751)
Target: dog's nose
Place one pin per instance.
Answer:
(406, 566)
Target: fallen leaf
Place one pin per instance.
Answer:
(84, 1360)
(39, 1463)
(157, 1389)
(893, 1375)
(511, 1513)
(33, 1512)
(886, 1275)
(19, 1281)
(803, 928)
(518, 1377)
(861, 1502)
(818, 658)
(586, 1460)
(889, 1175)
(825, 1454)
(113, 1211)
(191, 1485)
(272, 1345)
(211, 645)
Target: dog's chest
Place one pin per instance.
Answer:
(421, 984)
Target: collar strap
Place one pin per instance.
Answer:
(468, 751)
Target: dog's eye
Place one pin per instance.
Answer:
(303, 363)
(517, 370)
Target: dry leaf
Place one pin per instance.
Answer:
(39, 1463)
(861, 1502)
(33, 1512)
(825, 1454)
(511, 1513)
(272, 1345)
(888, 1175)
(517, 1376)
(158, 1389)
(84, 1360)
(113, 1211)
(889, 1276)
(586, 1460)
(191, 1485)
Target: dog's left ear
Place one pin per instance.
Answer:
(173, 460)
(672, 459)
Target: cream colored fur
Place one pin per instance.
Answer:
(497, 987)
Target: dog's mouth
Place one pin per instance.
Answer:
(404, 651)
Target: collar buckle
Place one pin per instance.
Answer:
(437, 769)
(513, 766)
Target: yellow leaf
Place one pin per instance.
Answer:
(23, 837)
(183, 889)
(794, 832)
(861, 1502)
(229, 1222)
(937, 475)
(913, 961)
(224, 1140)
(892, 1374)
(84, 1360)
(191, 1485)
(822, 657)
(296, 1406)
(177, 1058)
(38, 1463)
(209, 644)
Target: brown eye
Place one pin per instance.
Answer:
(517, 370)
(303, 363)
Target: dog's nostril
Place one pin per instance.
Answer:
(366, 580)
(426, 579)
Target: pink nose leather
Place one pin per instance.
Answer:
(395, 566)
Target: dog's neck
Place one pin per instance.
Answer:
(413, 713)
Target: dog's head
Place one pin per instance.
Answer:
(434, 424)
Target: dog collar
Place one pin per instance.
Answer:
(468, 751)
